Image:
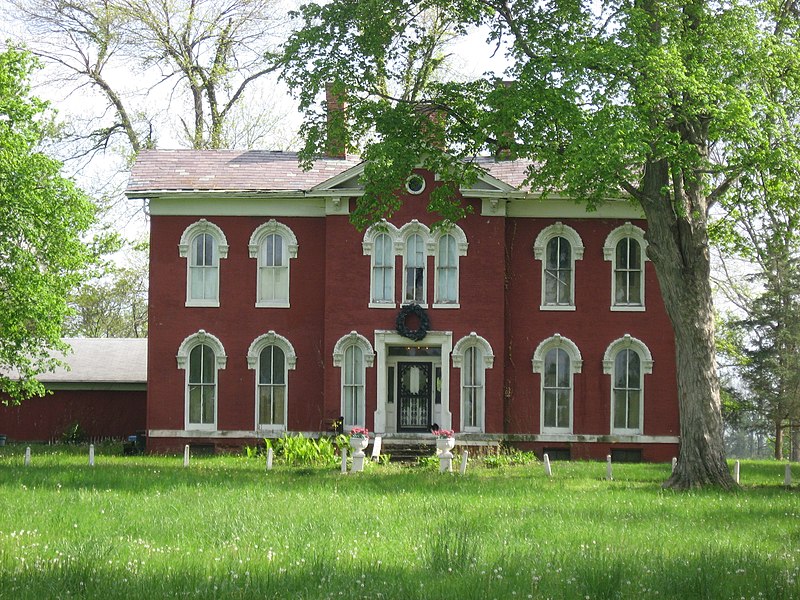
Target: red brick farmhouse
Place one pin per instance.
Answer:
(531, 321)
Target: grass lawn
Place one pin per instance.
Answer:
(145, 527)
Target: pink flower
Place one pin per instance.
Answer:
(359, 432)
(443, 433)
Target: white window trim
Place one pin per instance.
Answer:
(254, 247)
(401, 247)
(461, 250)
(185, 348)
(627, 342)
(346, 341)
(184, 251)
(473, 340)
(576, 366)
(253, 354)
(367, 249)
(558, 229)
(610, 254)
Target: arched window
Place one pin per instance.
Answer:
(353, 353)
(380, 245)
(451, 244)
(271, 356)
(627, 360)
(201, 355)
(383, 269)
(557, 359)
(203, 244)
(271, 388)
(414, 269)
(625, 248)
(558, 247)
(273, 244)
(473, 355)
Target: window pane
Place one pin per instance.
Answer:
(633, 410)
(278, 366)
(633, 370)
(564, 284)
(195, 403)
(635, 288)
(210, 283)
(622, 254)
(208, 404)
(196, 364)
(279, 405)
(563, 408)
(552, 253)
(621, 370)
(551, 368)
(564, 254)
(209, 365)
(563, 369)
(634, 254)
(620, 409)
(620, 287)
(265, 365)
(549, 408)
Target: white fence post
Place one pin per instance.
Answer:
(547, 470)
(609, 474)
(186, 455)
(464, 458)
(91, 455)
(28, 456)
(269, 458)
(674, 463)
(344, 461)
(736, 472)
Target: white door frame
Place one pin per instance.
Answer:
(383, 341)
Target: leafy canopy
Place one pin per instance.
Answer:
(42, 218)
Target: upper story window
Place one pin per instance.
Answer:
(473, 355)
(625, 249)
(451, 244)
(384, 242)
(353, 353)
(380, 244)
(203, 244)
(558, 247)
(201, 355)
(627, 360)
(273, 244)
(557, 359)
(272, 356)
(414, 270)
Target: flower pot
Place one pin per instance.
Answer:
(445, 444)
(358, 443)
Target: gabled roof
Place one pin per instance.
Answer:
(262, 171)
(228, 170)
(101, 361)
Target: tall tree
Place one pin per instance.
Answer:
(42, 218)
(667, 103)
(202, 54)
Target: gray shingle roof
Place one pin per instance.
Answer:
(258, 170)
(102, 360)
(229, 170)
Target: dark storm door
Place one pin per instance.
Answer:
(413, 396)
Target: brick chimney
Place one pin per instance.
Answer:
(337, 134)
(505, 136)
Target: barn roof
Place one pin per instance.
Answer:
(100, 361)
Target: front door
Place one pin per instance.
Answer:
(413, 396)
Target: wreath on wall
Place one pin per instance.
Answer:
(424, 322)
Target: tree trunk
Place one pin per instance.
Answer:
(779, 441)
(678, 248)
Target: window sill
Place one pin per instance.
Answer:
(446, 306)
(620, 308)
(626, 431)
(202, 303)
(272, 305)
(271, 428)
(199, 427)
(382, 305)
(557, 307)
(556, 430)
